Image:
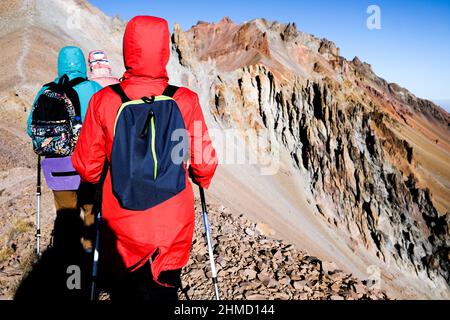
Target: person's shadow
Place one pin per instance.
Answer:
(63, 270)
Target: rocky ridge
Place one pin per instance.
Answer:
(252, 265)
(340, 125)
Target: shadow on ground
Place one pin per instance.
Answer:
(59, 265)
(63, 273)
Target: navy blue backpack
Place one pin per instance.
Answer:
(148, 152)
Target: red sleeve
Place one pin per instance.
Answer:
(203, 161)
(90, 152)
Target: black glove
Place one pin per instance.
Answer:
(191, 175)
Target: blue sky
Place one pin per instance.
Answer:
(412, 48)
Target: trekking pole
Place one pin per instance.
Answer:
(209, 240)
(96, 257)
(38, 213)
(98, 209)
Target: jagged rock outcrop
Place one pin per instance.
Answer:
(339, 124)
(350, 163)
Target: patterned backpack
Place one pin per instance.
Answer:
(56, 119)
(149, 150)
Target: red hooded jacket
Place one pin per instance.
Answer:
(167, 228)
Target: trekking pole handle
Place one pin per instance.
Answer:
(203, 200)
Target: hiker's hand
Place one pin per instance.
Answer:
(191, 175)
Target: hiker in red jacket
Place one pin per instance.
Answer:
(153, 244)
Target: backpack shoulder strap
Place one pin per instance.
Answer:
(170, 91)
(74, 82)
(72, 94)
(68, 87)
(65, 82)
(119, 91)
(47, 85)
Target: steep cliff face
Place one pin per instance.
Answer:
(340, 124)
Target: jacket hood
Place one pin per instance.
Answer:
(146, 47)
(71, 61)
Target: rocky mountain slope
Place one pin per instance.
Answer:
(252, 265)
(359, 165)
(373, 156)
